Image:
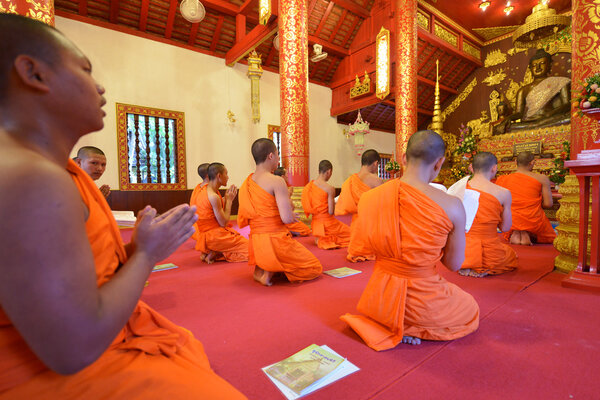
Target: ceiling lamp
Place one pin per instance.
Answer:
(382, 63)
(192, 10)
(508, 8)
(542, 24)
(359, 129)
(484, 4)
(264, 11)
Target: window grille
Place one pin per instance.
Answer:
(381, 172)
(275, 135)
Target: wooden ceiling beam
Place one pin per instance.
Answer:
(270, 56)
(217, 34)
(328, 71)
(83, 8)
(253, 39)
(144, 15)
(171, 18)
(338, 26)
(353, 7)
(424, 112)
(240, 27)
(248, 6)
(432, 84)
(347, 37)
(222, 7)
(311, 6)
(114, 11)
(329, 47)
(193, 33)
(323, 18)
(446, 47)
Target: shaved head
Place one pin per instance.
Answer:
(215, 169)
(324, 166)
(87, 151)
(369, 157)
(425, 146)
(92, 160)
(261, 148)
(25, 36)
(524, 158)
(203, 170)
(483, 162)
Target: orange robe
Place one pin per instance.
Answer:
(214, 237)
(352, 190)
(151, 358)
(526, 208)
(299, 227)
(485, 252)
(405, 295)
(330, 233)
(199, 187)
(271, 245)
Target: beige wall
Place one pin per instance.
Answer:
(144, 72)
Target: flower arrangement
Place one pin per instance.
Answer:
(588, 96)
(559, 172)
(459, 171)
(392, 166)
(467, 145)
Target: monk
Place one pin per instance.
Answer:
(485, 252)
(71, 323)
(318, 199)
(215, 238)
(530, 194)
(296, 228)
(352, 190)
(93, 161)
(203, 173)
(410, 226)
(264, 204)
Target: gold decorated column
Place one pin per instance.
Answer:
(255, 71)
(405, 73)
(293, 75)
(42, 10)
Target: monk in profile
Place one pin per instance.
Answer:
(264, 204)
(93, 161)
(318, 199)
(530, 195)
(485, 252)
(203, 173)
(296, 228)
(215, 238)
(410, 226)
(71, 323)
(352, 190)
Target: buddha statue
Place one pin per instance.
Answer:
(546, 100)
(502, 124)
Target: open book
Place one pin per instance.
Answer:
(308, 370)
(342, 272)
(125, 219)
(469, 198)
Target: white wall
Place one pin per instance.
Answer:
(144, 72)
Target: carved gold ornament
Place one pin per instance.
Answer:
(516, 50)
(481, 127)
(255, 71)
(445, 35)
(494, 58)
(494, 78)
(360, 89)
(494, 101)
(459, 99)
(382, 56)
(264, 11)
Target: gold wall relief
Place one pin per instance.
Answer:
(471, 50)
(361, 88)
(445, 34)
(495, 77)
(459, 99)
(423, 20)
(494, 101)
(494, 57)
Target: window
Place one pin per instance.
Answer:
(151, 148)
(381, 172)
(275, 135)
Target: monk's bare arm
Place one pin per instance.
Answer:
(506, 222)
(330, 199)
(48, 287)
(547, 201)
(221, 215)
(454, 251)
(284, 204)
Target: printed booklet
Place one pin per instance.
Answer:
(342, 272)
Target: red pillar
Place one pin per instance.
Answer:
(405, 73)
(42, 10)
(293, 76)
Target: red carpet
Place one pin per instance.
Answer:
(536, 339)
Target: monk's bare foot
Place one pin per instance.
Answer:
(411, 340)
(202, 257)
(470, 272)
(210, 257)
(515, 238)
(263, 277)
(525, 239)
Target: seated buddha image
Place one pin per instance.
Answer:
(546, 100)
(503, 123)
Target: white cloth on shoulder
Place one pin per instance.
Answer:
(468, 197)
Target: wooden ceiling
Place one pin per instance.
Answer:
(230, 28)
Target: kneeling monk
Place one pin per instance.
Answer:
(71, 323)
(318, 199)
(265, 206)
(485, 252)
(352, 190)
(215, 238)
(410, 226)
(297, 228)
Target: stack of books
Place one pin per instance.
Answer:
(125, 219)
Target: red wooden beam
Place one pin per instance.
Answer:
(421, 49)
(353, 7)
(114, 11)
(217, 33)
(432, 84)
(143, 15)
(314, 67)
(240, 27)
(222, 7)
(339, 24)
(329, 47)
(270, 56)
(248, 7)
(424, 112)
(426, 60)
(193, 33)
(328, 71)
(83, 8)
(445, 46)
(311, 6)
(347, 37)
(252, 40)
(323, 18)
(171, 18)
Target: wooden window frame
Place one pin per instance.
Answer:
(272, 129)
(387, 157)
(179, 117)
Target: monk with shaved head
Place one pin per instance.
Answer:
(297, 228)
(530, 195)
(410, 226)
(264, 204)
(485, 252)
(93, 161)
(71, 322)
(202, 173)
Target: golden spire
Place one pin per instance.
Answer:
(436, 124)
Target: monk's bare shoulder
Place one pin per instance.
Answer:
(450, 204)
(372, 180)
(269, 182)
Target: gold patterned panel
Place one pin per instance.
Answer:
(495, 77)
(494, 32)
(494, 57)
(423, 20)
(459, 99)
(471, 50)
(445, 34)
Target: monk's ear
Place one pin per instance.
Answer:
(32, 72)
(439, 163)
(404, 159)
